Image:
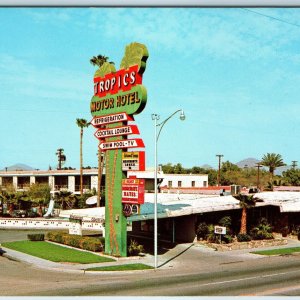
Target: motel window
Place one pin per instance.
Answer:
(179, 183)
(193, 183)
(169, 184)
(205, 183)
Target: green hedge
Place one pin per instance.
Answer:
(36, 237)
(77, 241)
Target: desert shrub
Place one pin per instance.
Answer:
(211, 236)
(227, 238)
(202, 231)
(263, 231)
(134, 248)
(36, 237)
(243, 237)
(225, 222)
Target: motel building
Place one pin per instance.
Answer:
(69, 180)
(58, 180)
(184, 200)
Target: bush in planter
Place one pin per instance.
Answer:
(134, 248)
(211, 236)
(243, 237)
(262, 232)
(227, 238)
(92, 244)
(202, 231)
(225, 222)
(36, 237)
(72, 240)
(55, 236)
(77, 241)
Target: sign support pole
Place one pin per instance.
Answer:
(115, 221)
(155, 193)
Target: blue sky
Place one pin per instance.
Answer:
(235, 73)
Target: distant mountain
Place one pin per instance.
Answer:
(206, 166)
(248, 162)
(18, 167)
(251, 163)
(279, 170)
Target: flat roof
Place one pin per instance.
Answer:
(175, 205)
(48, 172)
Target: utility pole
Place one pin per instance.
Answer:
(294, 164)
(258, 166)
(219, 172)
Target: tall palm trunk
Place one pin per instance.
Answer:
(81, 163)
(100, 171)
(243, 229)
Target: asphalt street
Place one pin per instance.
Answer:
(186, 270)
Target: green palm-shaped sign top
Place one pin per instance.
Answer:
(135, 54)
(105, 69)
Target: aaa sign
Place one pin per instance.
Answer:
(133, 191)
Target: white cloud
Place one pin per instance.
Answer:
(222, 33)
(49, 15)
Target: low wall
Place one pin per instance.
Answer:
(246, 245)
(39, 223)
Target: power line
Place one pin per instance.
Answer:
(270, 17)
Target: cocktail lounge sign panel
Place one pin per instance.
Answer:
(116, 131)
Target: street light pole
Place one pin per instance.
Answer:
(155, 118)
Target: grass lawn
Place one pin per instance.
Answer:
(283, 251)
(55, 253)
(127, 267)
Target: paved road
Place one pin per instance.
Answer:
(186, 270)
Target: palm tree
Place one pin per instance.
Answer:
(81, 123)
(273, 161)
(246, 201)
(61, 157)
(101, 157)
(99, 60)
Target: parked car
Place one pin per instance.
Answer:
(20, 213)
(32, 214)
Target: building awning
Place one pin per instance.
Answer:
(286, 201)
(176, 205)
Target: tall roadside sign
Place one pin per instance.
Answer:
(118, 96)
